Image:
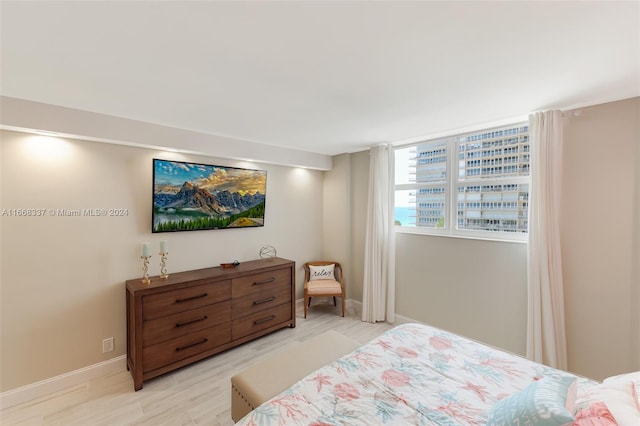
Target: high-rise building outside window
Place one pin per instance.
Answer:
(472, 185)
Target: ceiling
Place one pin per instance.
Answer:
(320, 76)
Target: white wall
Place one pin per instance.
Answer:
(599, 222)
(335, 217)
(471, 287)
(359, 206)
(62, 278)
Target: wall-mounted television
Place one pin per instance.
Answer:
(193, 196)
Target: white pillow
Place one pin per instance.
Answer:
(619, 395)
(634, 377)
(321, 272)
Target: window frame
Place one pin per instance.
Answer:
(451, 184)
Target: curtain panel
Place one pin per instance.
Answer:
(378, 296)
(546, 335)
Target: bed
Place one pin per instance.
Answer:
(417, 374)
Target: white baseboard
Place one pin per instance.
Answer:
(401, 319)
(355, 306)
(58, 383)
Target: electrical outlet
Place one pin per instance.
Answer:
(107, 345)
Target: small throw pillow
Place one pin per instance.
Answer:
(321, 272)
(619, 396)
(597, 414)
(543, 403)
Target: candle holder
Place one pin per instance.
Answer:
(145, 269)
(163, 265)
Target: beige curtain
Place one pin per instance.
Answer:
(546, 335)
(378, 296)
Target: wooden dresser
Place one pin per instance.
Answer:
(195, 314)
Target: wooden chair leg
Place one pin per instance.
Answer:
(334, 301)
(305, 306)
(342, 305)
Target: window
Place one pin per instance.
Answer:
(472, 185)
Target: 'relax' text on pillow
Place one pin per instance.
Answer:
(321, 272)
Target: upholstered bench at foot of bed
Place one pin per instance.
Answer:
(269, 377)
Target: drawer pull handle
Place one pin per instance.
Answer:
(270, 280)
(182, 348)
(186, 299)
(267, 300)
(182, 324)
(262, 321)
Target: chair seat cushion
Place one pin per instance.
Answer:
(323, 287)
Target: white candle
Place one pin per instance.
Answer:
(163, 246)
(145, 249)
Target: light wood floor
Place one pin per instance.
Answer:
(195, 395)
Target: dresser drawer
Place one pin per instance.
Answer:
(261, 282)
(174, 301)
(260, 320)
(176, 325)
(162, 354)
(256, 302)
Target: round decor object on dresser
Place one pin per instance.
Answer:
(267, 252)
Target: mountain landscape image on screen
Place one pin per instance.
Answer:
(189, 196)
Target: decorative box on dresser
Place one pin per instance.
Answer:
(192, 315)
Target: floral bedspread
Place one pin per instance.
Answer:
(412, 374)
